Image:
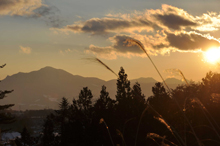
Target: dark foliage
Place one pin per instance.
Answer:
(132, 119)
(5, 115)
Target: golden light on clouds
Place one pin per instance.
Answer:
(212, 55)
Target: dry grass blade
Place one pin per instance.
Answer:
(135, 42)
(3, 66)
(106, 66)
(159, 116)
(203, 108)
(165, 123)
(183, 77)
(154, 135)
(132, 41)
(121, 135)
(103, 121)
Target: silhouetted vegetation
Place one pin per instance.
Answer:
(5, 116)
(132, 119)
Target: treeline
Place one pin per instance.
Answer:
(187, 115)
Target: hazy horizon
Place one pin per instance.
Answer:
(169, 77)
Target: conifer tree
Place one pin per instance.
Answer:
(5, 118)
(160, 99)
(138, 99)
(25, 137)
(104, 102)
(48, 137)
(85, 99)
(123, 86)
(137, 93)
(63, 118)
(123, 99)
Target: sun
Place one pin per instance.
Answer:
(212, 55)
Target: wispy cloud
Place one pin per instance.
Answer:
(19, 7)
(65, 51)
(107, 25)
(25, 50)
(31, 9)
(50, 15)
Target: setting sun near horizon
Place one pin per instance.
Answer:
(212, 55)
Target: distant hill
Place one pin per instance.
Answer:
(44, 88)
(173, 81)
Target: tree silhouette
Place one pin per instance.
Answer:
(5, 117)
(130, 118)
(104, 102)
(160, 98)
(104, 109)
(138, 98)
(124, 114)
(25, 137)
(63, 119)
(48, 131)
(85, 97)
(123, 98)
(123, 87)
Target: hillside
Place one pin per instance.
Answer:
(45, 87)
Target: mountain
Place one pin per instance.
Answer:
(45, 88)
(173, 81)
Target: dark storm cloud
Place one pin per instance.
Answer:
(191, 41)
(174, 21)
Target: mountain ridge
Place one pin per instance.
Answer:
(45, 87)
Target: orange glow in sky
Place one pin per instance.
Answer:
(212, 55)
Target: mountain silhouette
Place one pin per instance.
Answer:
(44, 88)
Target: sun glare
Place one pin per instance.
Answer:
(212, 55)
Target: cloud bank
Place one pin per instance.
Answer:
(161, 31)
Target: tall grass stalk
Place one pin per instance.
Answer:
(148, 105)
(139, 44)
(103, 121)
(170, 128)
(202, 107)
(135, 42)
(106, 66)
(122, 137)
(2, 65)
(197, 100)
(126, 123)
(154, 135)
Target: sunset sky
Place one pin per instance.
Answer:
(69, 34)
